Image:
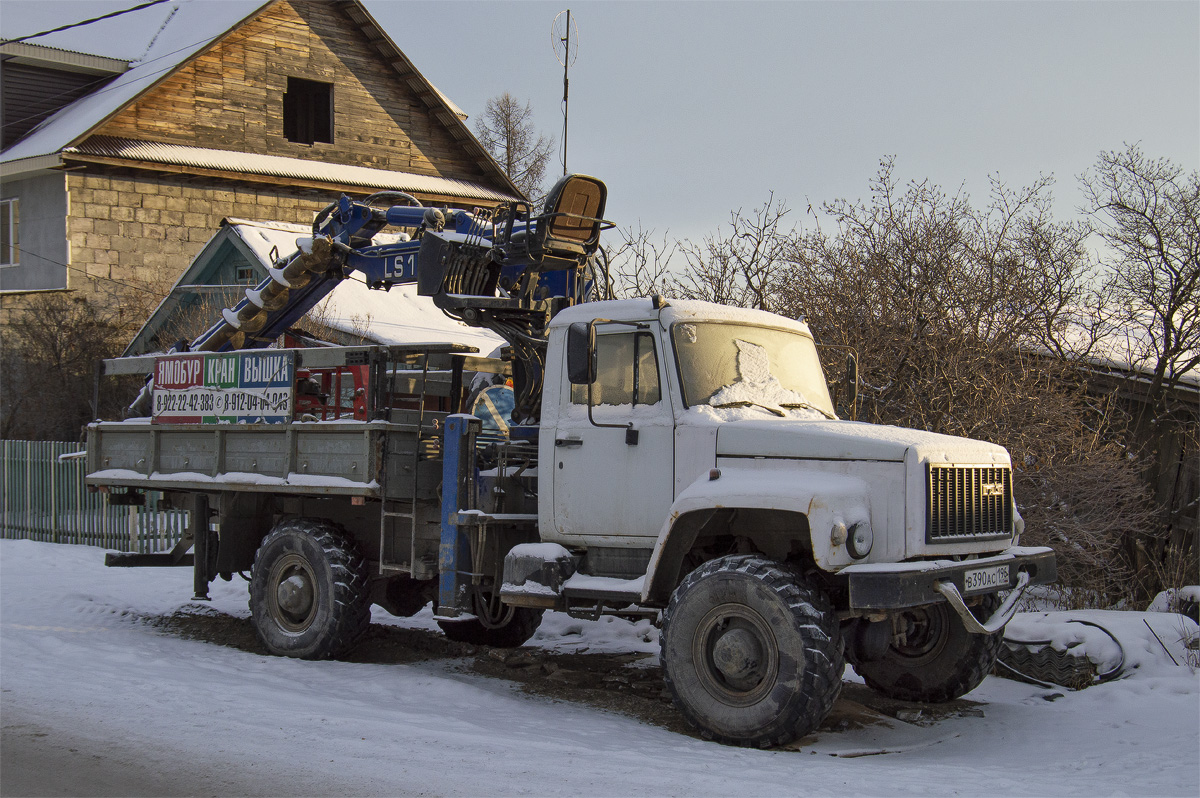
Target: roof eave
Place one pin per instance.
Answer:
(65, 60)
(30, 165)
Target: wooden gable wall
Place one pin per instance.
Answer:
(231, 98)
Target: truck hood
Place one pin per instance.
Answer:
(848, 440)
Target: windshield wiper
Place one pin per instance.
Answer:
(807, 406)
(747, 403)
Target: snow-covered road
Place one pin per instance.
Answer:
(88, 688)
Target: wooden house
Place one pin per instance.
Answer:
(115, 174)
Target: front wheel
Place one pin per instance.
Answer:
(308, 590)
(932, 657)
(751, 653)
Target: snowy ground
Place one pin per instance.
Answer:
(99, 701)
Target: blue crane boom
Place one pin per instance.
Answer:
(507, 269)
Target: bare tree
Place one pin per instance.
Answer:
(1147, 211)
(745, 265)
(957, 313)
(507, 131)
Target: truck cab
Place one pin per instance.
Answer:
(697, 410)
(691, 459)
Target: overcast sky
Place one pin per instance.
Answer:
(689, 110)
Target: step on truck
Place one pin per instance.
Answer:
(673, 460)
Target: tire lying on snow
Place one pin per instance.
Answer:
(308, 590)
(938, 659)
(751, 653)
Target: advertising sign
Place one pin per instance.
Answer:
(246, 387)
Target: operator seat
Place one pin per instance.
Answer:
(568, 230)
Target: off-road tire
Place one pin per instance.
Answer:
(501, 627)
(308, 590)
(941, 662)
(751, 653)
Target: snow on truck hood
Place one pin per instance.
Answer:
(848, 440)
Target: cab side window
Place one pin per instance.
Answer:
(626, 371)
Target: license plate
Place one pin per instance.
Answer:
(992, 578)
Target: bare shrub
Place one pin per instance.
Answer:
(962, 316)
(641, 265)
(47, 367)
(745, 265)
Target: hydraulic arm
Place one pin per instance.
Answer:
(507, 269)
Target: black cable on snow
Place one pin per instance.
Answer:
(1100, 677)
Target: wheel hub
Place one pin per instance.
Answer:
(737, 654)
(295, 595)
(293, 601)
(920, 632)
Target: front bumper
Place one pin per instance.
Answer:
(887, 586)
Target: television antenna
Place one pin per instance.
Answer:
(564, 38)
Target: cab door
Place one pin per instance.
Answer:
(613, 472)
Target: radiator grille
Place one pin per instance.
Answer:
(968, 503)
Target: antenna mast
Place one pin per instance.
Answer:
(565, 33)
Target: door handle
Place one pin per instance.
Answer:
(568, 442)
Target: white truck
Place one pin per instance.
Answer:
(676, 460)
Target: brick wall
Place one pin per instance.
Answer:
(131, 237)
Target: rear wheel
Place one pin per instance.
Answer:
(308, 590)
(495, 624)
(750, 652)
(932, 657)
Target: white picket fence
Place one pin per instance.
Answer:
(44, 498)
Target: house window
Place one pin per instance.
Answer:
(308, 111)
(245, 274)
(8, 233)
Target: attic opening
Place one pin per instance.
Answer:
(308, 111)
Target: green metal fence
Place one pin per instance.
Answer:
(44, 498)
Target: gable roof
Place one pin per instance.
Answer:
(194, 27)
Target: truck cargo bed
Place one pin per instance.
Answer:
(344, 458)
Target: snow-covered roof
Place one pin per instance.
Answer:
(1127, 348)
(394, 317)
(279, 166)
(192, 27)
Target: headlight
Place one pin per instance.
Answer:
(859, 540)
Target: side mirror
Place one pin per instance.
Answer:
(581, 353)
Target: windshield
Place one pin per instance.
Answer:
(740, 365)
